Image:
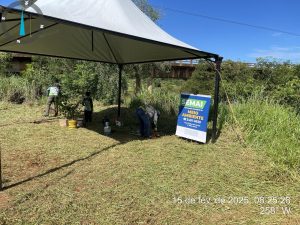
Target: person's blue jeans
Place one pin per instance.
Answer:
(144, 122)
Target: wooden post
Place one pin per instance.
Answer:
(218, 62)
(120, 90)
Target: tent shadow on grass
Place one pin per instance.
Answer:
(126, 133)
(166, 124)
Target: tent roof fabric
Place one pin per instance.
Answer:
(112, 31)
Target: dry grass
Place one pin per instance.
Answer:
(55, 175)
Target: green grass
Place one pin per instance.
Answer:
(271, 128)
(63, 176)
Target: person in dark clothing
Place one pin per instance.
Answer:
(153, 115)
(53, 94)
(88, 107)
(144, 122)
(105, 120)
(148, 117)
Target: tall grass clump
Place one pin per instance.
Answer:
(16, 89)
(165, 101)
(272, 128)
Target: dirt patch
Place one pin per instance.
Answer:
(4, 200)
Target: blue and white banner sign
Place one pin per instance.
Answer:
(193, 117)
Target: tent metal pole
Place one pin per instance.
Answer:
(92, 40)
(1, 183)
(218, 61)
(120, 89)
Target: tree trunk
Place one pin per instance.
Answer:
(150, 80)
(138, 80)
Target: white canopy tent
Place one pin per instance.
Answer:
(110, 31)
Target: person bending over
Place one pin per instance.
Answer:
(53, 93)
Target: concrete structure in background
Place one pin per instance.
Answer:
(181, 69)
(19, 62)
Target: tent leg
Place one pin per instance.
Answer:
(216, 97)
(1, 184)
(120, 89)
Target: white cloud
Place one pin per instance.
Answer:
(277, 34)
(283, 53)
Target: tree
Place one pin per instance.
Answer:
(76, 77)
(237, 79)
(273, 72)
(146, 8)
(5, 59)
(202, 80)
(141, 70)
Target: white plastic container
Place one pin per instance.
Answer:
(107, 129)
(80, 122)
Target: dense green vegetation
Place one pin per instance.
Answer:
(76, 77)
(277, 80)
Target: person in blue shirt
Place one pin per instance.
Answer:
(53, 94)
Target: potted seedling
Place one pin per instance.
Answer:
(70, 110)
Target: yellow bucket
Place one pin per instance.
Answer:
(72, 123)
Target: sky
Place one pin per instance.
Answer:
(181, 19)
(232, 41)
